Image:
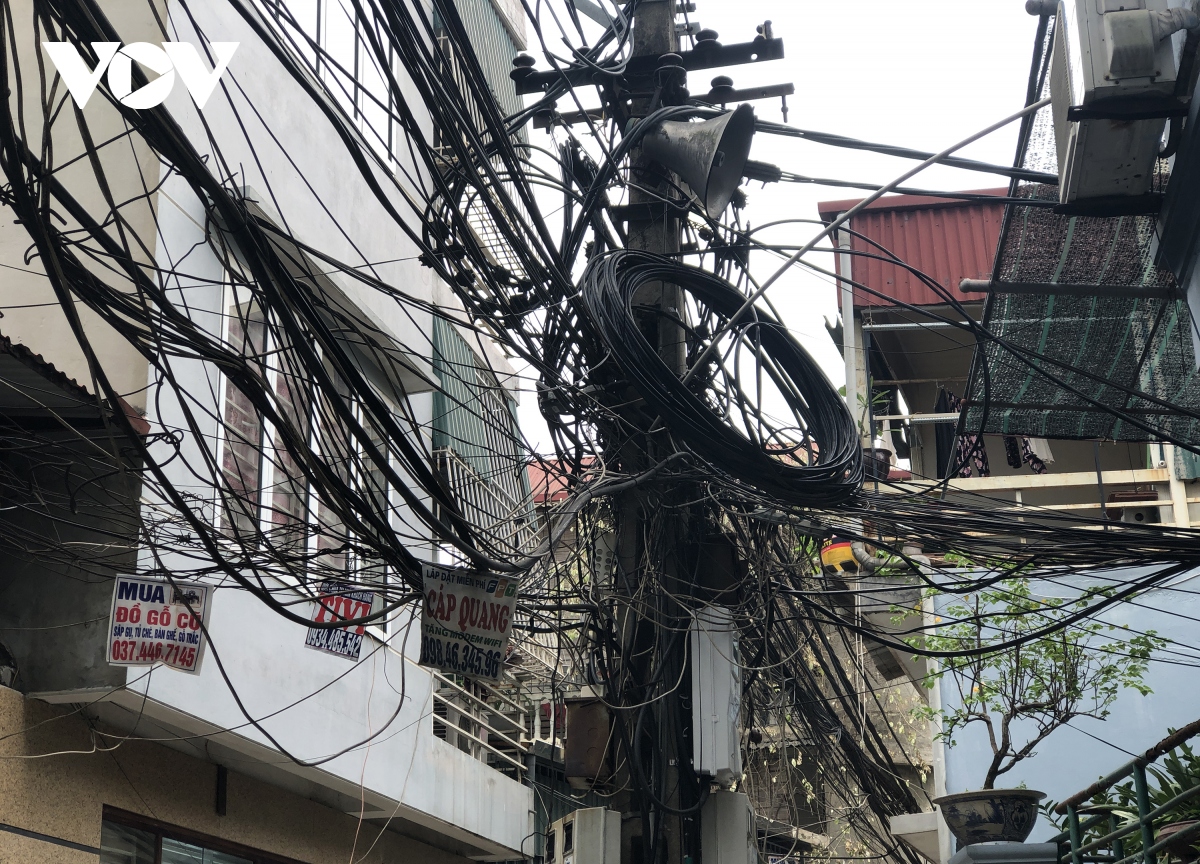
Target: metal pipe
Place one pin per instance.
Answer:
(989, 286)
(1166, 745)
(915, 325)
(1100, 483)
(923, 418)
(1115, 834)
(1073, 829)
(864, 558)
(849, 336)
(1143, 805)
(897, 381)
(873, 562)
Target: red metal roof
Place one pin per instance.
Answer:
(947, 240)
(549, 486)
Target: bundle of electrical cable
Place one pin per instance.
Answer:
(829, 470)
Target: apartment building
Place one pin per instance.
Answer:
(908, 345)
(914, 271)
(271, 751)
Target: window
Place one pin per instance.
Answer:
(476, 443)
(241, 462)
(335, 42)
(287, 502)
(270, 496)
(126, 838)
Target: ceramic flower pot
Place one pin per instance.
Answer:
(991, 815)
(1184, 849)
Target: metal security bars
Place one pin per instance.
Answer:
(481, 722)
(475, 442)
(485, 504)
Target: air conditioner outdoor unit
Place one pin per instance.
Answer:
(588, 836)
(1133, 507)
(1112, 82)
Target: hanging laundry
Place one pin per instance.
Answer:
(1035, 461)
(971, 450)
(1040, 448)
(943, 435)
(1012, 451)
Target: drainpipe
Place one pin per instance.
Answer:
(865, 560)
(945, 840)
(871, 563)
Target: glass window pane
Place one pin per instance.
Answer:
(178, 852)
(242, 458)
(289, 496)
(337, 451)
(123, 845)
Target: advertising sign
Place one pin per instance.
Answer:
(466, 620)
(339, 601)
(155, 622)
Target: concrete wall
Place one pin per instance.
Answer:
(289, 154)
(32, 314)
(316, 705)
(57, 774)
(63, 541)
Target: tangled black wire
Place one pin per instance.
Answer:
(820, 467)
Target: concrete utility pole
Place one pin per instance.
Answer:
(659, 232)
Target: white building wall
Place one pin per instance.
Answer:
(312, 704)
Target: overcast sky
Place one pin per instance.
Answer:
(915, 74)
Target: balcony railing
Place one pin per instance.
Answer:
(1172, 502)
(1116, 833)
(488, 504)
(481, 722)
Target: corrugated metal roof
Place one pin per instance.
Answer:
(25, 376)
(947, 240)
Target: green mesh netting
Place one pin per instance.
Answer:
(1057, 352)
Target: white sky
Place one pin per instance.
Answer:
(915, 74)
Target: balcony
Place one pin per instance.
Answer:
(1162, 495)
(1143, 812)
(261, 692)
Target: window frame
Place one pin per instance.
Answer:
(162, 829)
(239, 311)
(272, 479)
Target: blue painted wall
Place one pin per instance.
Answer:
(1070, 758)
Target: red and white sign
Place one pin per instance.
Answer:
(157, 622)
(338, 601)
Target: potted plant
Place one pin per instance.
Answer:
(1021, 683)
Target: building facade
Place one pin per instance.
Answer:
(272, 751)
(906, 336)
